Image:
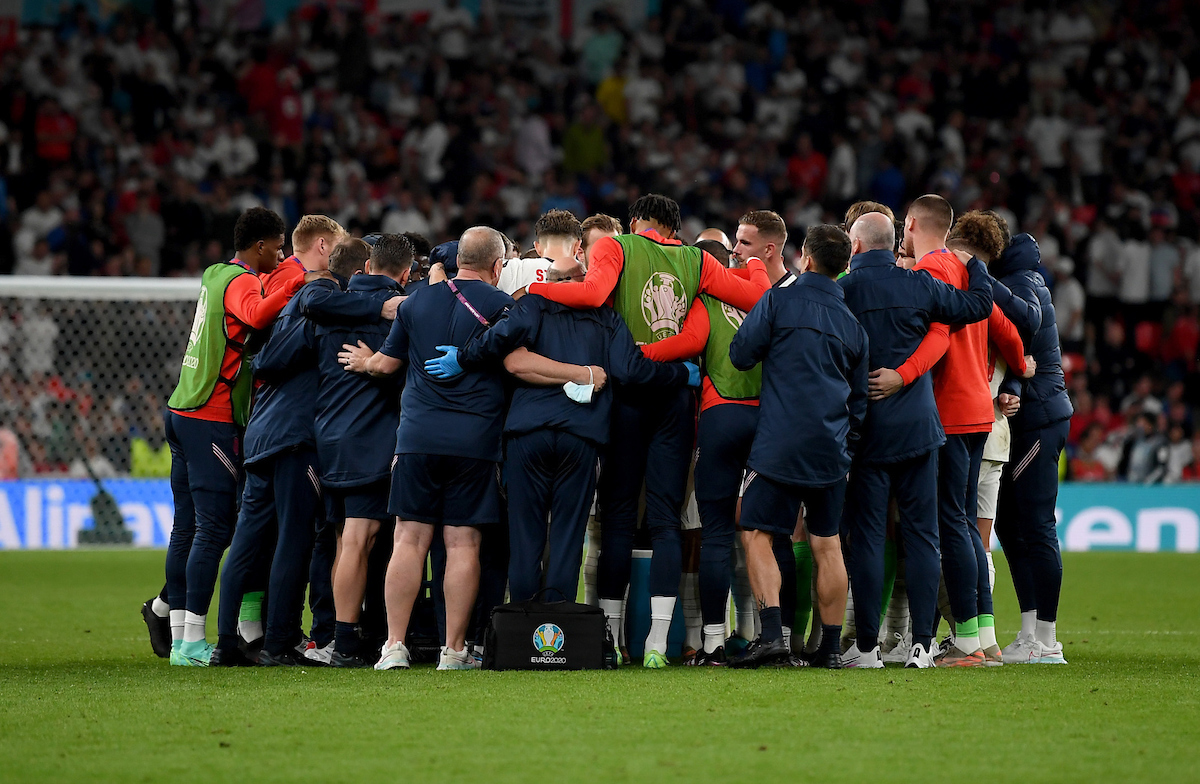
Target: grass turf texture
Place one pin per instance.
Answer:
(83, 698)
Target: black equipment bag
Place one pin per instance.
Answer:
(541, 635)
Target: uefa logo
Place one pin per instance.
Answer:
(548, 639)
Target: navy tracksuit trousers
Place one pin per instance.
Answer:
(914, 484)
(551, 482)
(278, 520)
(652, 432)
(206, 464)
(964, 560)
(320, 577)
(726, 432)
(1025, 522)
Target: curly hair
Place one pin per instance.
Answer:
(979, 233)
(255, 225)
(658, 208)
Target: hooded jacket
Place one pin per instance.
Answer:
(1021, 293)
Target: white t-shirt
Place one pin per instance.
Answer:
(1135, 272)
(519, 273)
(1047, 133)
(1068, 301)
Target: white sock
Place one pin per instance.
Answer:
(987, 637)
(250, 630)
(991, 570)
(591, 558)
(848, 628)
(745, 611)
(177, 619)
(1029, 623)
(159, 607)
(1045, 633)
(967, 644)
(661, 610)
(193, 627)
(714, 636)
(689, 590)
(897, 618)
(612, 611)
(787, 636)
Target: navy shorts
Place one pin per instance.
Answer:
(773, 506)
(369, 502)
(440, 489)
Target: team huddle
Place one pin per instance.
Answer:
(376, 424)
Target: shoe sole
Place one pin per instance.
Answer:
(1049, 660)
(442, 668)
(397, 666)
(959, 664)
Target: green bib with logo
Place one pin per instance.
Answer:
(201, 369)
(730, 383)
(657, 286)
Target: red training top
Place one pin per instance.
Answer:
(608, 260)
(960, 381)
(247, 307)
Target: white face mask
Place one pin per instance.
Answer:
(581, 393)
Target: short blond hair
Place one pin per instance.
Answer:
(312, 227)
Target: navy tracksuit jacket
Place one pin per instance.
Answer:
(1025, 522)
(283, 495)
(552, 443)
(353, 410)
(902, 433)
(814, 397)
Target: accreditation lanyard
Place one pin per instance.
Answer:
(478, 316)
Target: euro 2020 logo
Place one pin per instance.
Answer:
(548, 639)
(664, 304)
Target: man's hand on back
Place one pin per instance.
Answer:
(882, 383)
(354, 358)
(388, 311)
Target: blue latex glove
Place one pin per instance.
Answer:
(445, 366)
(693, 373)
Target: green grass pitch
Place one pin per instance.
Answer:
(83, 699)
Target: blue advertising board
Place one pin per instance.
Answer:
(48, 514)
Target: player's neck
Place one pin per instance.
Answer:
(312, 261)
(251, 262)
(469, 274)
(558, 250)
(923, 244)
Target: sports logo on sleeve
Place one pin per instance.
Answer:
(664, 304)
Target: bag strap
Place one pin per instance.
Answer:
(478, 316)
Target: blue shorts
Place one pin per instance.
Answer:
(773, 506)
(445, 490)
(369, 502)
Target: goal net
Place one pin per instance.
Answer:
(86, 367)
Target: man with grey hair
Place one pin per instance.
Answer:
(897, 449)
(445, 473)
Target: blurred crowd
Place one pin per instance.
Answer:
(130, 148)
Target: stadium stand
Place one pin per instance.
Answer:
(129, 145)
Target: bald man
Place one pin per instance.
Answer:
(448, 444)
(897, 452)
(716, 235)
(552, 436)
